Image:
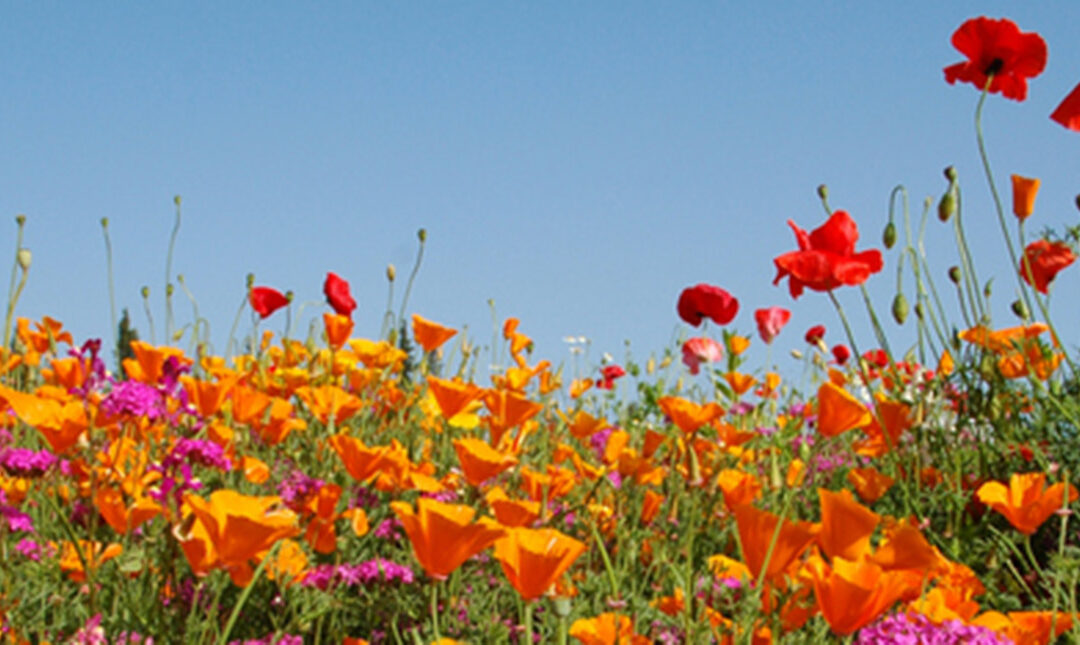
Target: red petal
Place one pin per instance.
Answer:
(1068, 113)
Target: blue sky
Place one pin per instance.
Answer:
(578, 163)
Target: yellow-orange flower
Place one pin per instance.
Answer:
(839, 411)
(1026, 502)
(453, 396)
(1024, 191)
(533, 559)
(687, 415)
(430, 335)
(329, 403)
(756, 530)
(870, 484)
(851, 594)
(443, 536)
(338, 329)
(60, 422)
(479, 461)
(606, 629)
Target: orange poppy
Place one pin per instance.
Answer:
(380, 354)
(687, 415)
(207, 396)
(147, 365)
(338, 329)
(479, 461)
(583, 425)
(93, 552)
(1024, 191)
(896, 417)
(454, 396)
(1026, 502)
(839, 411)
(737, 344)
(739, 487)
(362, 462)
(650, 506)
(512, 513)
(508, 409)
(280, 424)
(846, 525)
(852, 594)
(232, 529)
(329, 403)
(740, 383)
(443, 536)
(430, 335)
(580, 386)
(870, 484)
(61, 423)
(904, 547)
(533, 559)
(756, 529)
(606, 629)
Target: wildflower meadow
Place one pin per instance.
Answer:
(321, 487)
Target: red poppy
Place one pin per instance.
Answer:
(815, 334)
(841, 353)
(997, 48)
(337, 294)
(701, 350)
(266, 301)
(1046, 260)
(608, 374)
(706, 301)
(770, 321)
(826, 257)
(1068, 113)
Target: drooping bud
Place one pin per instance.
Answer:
(919, 311)
(796, 354)
(391, 272)
(176, 200)
(823, 191)
(289, 296)
(986, 288)
(20, 219)
(145, 291)
(955, 275)
(1078, 202)
(888, 238)
(947, 206)
(900, 309)
(23, 257)
(950, 174)
(1020, 309)
(422, 235)
(104, 222)
(169, 288)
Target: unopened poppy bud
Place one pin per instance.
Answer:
(288, 296)
(180, 278)
(888, 238)
(986, 289)
(899, 309)
(422, 235)
(1078, 202)
(947, 206)
(250, 280)
(20, 219)
(145, 291)
(1020, 309)
(563, 606)
(919, 311)
(169, 290)
(176, 200)
(796, 354)
(950, 174)
(823, 191)
(23, 257)
(955, 275)
(391, 272)
(178, 335)
(650, 365)
(104, 222)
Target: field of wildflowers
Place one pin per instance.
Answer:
(333, 489)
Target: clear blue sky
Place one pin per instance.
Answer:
(579, 163)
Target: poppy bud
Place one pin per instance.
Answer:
(919, 311)
(823, 191)
(888, 238)
(176, 200)
(947, 206)
(563, 606)
(391, 272)
(650, 365)
(145, 291)
(20, 219)
(986, 289)
(250, 280)
(899, 309)
(422, 235)
(796, 354)
(169, 288)
(23, 257)
(955, 275)
(289, 296)
(104, 222)
(950, 174)
(1020, 309)
(1078, 202)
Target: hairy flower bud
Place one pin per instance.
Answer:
(20, 219)
(919, 311)
(391, 272)
(955, 275)
(950, 174)
(422, 235)
(1020, 309)
(23, 257)
(823, 191)
(888, 238)
(947, 206)
(900, 309)
(104, 222)
(250, 280)
(145, 291)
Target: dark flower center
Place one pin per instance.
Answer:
(994, 67)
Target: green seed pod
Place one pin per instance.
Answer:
(104, 222)
(145, 291)
(1021, 310)
(955, 275)
(422, 235)
(919, 311)
(900, 309)
(950, 174)
(20, 219)
(947, 206)
(823, 191)
(888, 238)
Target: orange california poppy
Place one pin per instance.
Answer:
(363, 462)
(329, 403)
(512, 513)
(94, 554)
(255, 470)
(737, 344)
(1024, 191)
(518, 342)
(583, 425)
(479, 461)
(870, 484)
(739, 382)
(147, 365)
(1026, 502)
(207, 396)
(508, 409)
(756, 530)
(852, 594)
(281, 422)
(606, 629)
(338, 329)
(533, 559)
(443, 536)
(846, 525)
(454, 396)
(839, 411)
(580, 386)
(739, 487)
(650, 506)
(896, 417)
(121, 515)
(672, 605)
(687, 415)
(232, 529)
(903, 546)
(430, 335)
(60, 423)
(321, 509)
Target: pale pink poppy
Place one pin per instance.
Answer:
(701, 350)
(770, 321)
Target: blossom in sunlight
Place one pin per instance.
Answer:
(841, 354)
(337, 295)
(265, 301)
(815, 334)
(443, 536)
(430, 335)
(479, 461)
(1068, 113)
(701, 350)
(533, 559)
(770, 321)
(997, 49)
(1026, 502)
(826, 258)
(688, 415)
(608, 374)
(1024, 191)
(606, 629)
(1045, 259)
(703, 301)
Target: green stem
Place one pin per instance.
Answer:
(435, 609)
(247, 592)
(20, 220)
(235, 324)
(112, 285)
(168, 273)
(422, 235)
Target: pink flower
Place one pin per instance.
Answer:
(770, 321)
(701, 350)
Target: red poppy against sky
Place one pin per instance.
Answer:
(826, 257)
(707, 301)
(265, 300)
(338, 295)
(998, 48)
(1046, 260)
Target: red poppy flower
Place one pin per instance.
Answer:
(1046, 260)
(608, 374)
(876, 357)
(815, 334)
(998, 48)
(337, 294)
(266, 301)
(706, 301)
(826, 257)
(770, 321)
(841, 353)
(1068, 113)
